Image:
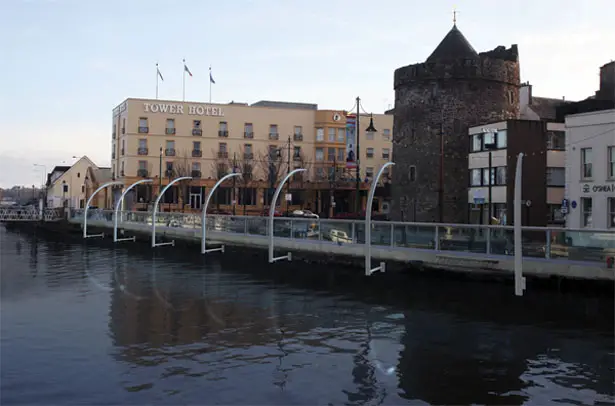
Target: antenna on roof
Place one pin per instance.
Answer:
(455, 15)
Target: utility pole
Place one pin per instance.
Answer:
(441, 188)
(358, 159)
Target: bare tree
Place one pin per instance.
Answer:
(273, 163)
(245, 166)
(301, 160)
(182, 167)
(220, 168)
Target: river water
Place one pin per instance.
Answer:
(89, 324)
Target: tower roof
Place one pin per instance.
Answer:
(453, 46)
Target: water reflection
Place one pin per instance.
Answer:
(165, 329)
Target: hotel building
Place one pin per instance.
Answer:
(163, 140)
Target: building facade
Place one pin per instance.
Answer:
(163, 140)
(492, 161)
(67, 186)
(590, 169)
(435, 103)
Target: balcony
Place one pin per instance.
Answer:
(170, 131)
(197, 132)
(223, 154)
(298, 137)
(122, 152)
(296, 157)
(197, 153)
(142, 173)
(113, 155)
(123, 130)
(143, 130)
(195, 173)
(142, 151)
(168, 173)
(248, 134)
(248, 155)
(222, 133)
(274, 136)
(169, 152)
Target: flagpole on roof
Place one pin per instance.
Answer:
(210, 81)
(157, 71)
(184, 82)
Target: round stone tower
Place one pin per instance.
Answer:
(435, 103)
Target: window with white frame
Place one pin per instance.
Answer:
(586, 163)
(501, 139)
(477, 142)
(320, 154)
(341, 134)
(476, 177)
(611, 162)
(386, 153)
(320, 134)
(586, 211)
(386, 134)
(556, 177)
(369, 152)
(611, 220)
(331, 134)
(369, 172)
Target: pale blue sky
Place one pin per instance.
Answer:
(65, 64)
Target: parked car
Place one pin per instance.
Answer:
(339, 236)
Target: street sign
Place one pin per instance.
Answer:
(565, 203)
(564, 210)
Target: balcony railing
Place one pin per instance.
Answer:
(296, 157)
(142, 173)
(197, 153)
(195, 174)
(122, 152)
(143, 130)
(222, 133)
(142, 151)
(168, 173)
(248, 134)
(197, 132)
(298, 137)
(274, 136)
(170, 131)
(248, 155)
(222, 154)
(169, 152)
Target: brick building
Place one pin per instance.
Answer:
(436, 101)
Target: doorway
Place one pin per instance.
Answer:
(195, 201)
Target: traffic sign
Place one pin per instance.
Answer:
(564, 209)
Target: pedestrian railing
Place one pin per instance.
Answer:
(588, 245)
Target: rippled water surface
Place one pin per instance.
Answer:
(84, 323)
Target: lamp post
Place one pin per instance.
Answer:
(279, 155)
(490, 146)
(160, 173)
(369, 129)
(234, 179)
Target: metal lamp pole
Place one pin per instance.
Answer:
(234, 179)
(491, 177)
(357, 203)
(287, 172)
(160, 173)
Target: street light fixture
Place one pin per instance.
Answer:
(370, 129)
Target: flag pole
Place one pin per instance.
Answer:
(184, 82)
(209, 84)
(156, 80)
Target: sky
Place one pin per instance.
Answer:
(65, 64)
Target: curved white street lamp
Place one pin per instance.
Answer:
(519, 279)
(204, 249)
(87, 206)
(368, 226)
(155, 211)
(118, 205)
(271, 213)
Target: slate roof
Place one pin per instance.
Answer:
(545, 107)
(453, 46)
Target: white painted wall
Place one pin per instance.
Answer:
(556, 159)
(594, 130)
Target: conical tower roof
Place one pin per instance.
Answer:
(453, 46)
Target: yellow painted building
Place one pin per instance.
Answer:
(70, 186)
(163, 139)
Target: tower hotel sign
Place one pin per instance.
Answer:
(191, 109)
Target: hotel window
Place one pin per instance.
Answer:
(331, 132)
(142, 143)
(586, 211)
(170, 129)
(586, 163)
(556, 177)
(556, 140)
(611, 163)
(320, 134)
(122, 149)
(330, 154)
(477, 143)
(298, 133)
(196, 124)
(248, 130)
(170, 148)
(476, 177)
(386, 154)
(142, 165)
(123, 126)
(222, 147)
(223, 129)
(297, 153)
(320, 173)
(196, 166)
(247, 150)
(369, 152)
(273, 132)
(341, 135)
(501, 139)
(196, 145)
(500, 176)
(320, 154)
(412, 173)
(386, 134)
(340, 154)
(143, 128)
(369, 135)
(611, 221)
(169, 168)
(369, 172)
(121, 170)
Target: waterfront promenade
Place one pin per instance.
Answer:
(581, 254)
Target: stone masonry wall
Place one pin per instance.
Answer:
(454, 101)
